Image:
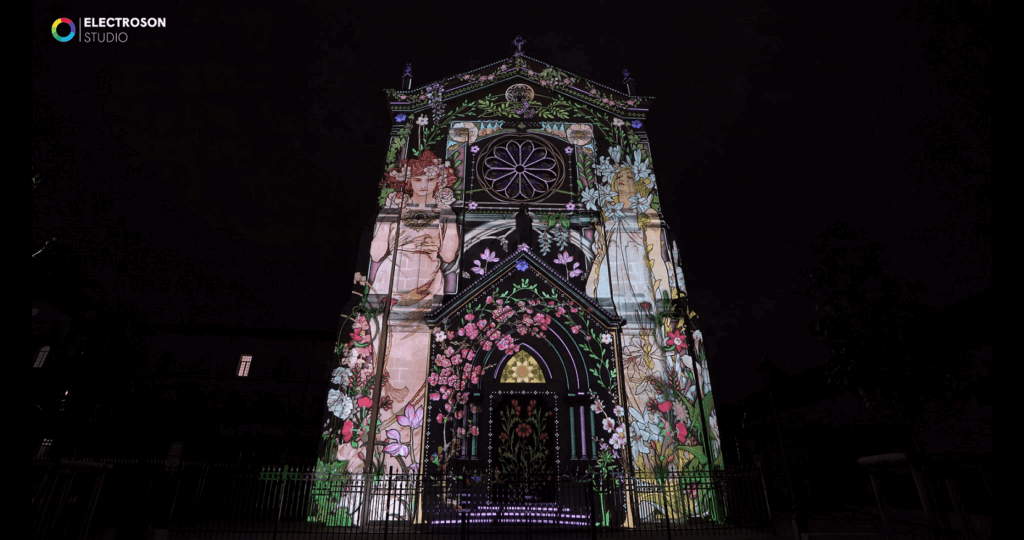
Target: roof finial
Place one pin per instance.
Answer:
(407, 77)
(518, 42)
(628, 81)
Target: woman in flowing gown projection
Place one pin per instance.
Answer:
(631, 275)
(409, 272)
(631, 270)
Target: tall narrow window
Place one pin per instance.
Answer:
(41, 356)
(572, 431)
(243, 365)
(475, 434)
(583, 435)
(466, 436)
(593, 439)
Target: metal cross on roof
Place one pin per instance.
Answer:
(518, 42)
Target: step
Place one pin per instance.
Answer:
(840, 536)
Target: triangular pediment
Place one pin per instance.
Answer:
(537, 74)
(523, 262)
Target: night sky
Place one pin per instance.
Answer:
(221, 170)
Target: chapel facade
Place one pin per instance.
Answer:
(520, 309)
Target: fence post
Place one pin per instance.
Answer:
(767, 504)
(590, 506)
(387, 502)
(174, 501)
(876, 486)
(664, 508)
(95, 499)
(958, 505)
(280, 500)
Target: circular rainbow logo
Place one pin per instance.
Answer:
(67, 22)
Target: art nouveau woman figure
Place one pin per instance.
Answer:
(630, 269)
(427, 234)
(409, 271)
(627, 272)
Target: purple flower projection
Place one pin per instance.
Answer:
(520, 170)
(636, 124)
(400, 117)
(522, 265)
(395, 446)
(487, 256)
(412, 418)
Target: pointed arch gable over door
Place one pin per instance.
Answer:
(519, 331)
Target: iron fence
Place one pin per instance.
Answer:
(196, 501)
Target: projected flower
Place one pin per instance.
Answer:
(520, 169)
(678, 340)
(412, 418)
(395, 446)
(339, 404)
(463, 132)
(580, 134)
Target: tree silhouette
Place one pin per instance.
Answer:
(881, 342)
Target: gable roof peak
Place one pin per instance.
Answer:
(513, 263)
(615, 101)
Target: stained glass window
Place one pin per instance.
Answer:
(522, 368)
(521, 168)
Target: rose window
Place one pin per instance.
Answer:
(521, 169)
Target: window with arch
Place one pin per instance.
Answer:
(522, 368)
(41, 356)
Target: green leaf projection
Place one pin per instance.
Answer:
(524, 442)
(481, 344)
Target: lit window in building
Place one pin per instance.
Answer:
(243, 365)
(174, 454)
(44, 448)
(41, 356)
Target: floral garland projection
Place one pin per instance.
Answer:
(498, 323)
(428, 132)
(349, 402)
(545, 76)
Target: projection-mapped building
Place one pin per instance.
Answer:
(520, 308)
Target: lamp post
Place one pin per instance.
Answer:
(770, 374)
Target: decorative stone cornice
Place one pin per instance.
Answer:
(509, 266)
(541, 73)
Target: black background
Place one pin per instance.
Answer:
(222, 169)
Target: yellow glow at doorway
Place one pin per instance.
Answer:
(522, 368)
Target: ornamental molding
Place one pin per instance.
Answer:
(511, 268)
(529, 70)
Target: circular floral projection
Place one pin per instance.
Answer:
(521, 168)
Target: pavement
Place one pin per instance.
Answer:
(848, 523)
